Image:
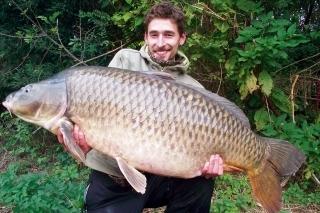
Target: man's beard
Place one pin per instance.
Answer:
(163, 63)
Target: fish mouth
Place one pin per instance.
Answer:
(7, 105)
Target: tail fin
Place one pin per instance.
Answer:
(285, 159)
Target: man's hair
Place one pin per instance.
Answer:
(166, 10)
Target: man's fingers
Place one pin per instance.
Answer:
(212, 165)
(60, 136)
(75, 133)
(80, 139)
(205, 168)
(220, 172)
(213, 168)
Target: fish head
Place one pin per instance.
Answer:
(40, 103)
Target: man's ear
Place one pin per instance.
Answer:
(183, 38)
(146, 37)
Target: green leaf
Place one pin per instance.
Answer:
(261, 118)
(221, 25)
(270, 15)
(138, 21)
(273, 29)
(127, 16)
(105, 4)
(242, 59)
(54, 16)
(292, 29)
(257, 23)
(281, 34)
(280, 22)
(243, 91)
(266, 82)
(280, 100)
(282, 54)
(263, 17)
(43, 18)
(243, 53)
(241, 39)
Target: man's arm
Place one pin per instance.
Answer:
(213, 168)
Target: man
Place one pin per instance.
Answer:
(107, 189)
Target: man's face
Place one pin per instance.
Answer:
(163, 38)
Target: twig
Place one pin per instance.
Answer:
(297, 62)
(37, 24)
(99, 55)
(285, 181)
(292, 97)
(24, 58)
(220, 81)
(21, 37)
(315, 179)
(205, 8)
(61, 45)
(309, 68)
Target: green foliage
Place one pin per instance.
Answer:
(264, 44)
(39, 192)
(297, 194)
(233, 194)
(58, 188)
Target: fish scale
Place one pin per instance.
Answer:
(149, 122)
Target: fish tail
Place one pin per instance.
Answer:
(285, 159)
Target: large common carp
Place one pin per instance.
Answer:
(149, 122)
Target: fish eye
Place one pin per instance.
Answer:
(26, 89)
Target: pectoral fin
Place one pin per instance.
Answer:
(66, 128)
(137, 180)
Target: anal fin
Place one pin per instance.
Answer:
(231, 169)
(136, 179)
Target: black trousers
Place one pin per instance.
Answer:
(104, 195)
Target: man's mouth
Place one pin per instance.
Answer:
(161, 53)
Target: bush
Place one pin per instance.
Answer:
(39, 192)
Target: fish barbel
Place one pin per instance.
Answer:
(149, 122)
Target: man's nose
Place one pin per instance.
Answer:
(161, 41)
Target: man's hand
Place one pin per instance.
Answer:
(213, 168)
(78, 136)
